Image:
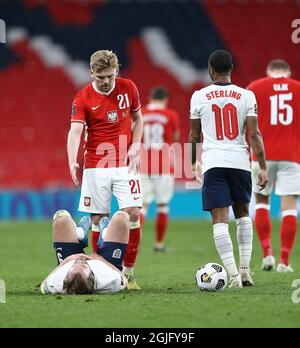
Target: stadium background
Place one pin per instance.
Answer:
(45, 62)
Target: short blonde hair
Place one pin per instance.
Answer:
(79, 284)
(103, 59)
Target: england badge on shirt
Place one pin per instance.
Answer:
(112, 116)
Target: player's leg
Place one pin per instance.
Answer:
(241, 189)
(244, 238)
(68, 239)
(163, 192)
(127, 189)
(147, 187)
(288, 229)
(262, 217)
(288, 187)
(96, 230)
(133, 247)
(216, 198)
(96, 197)
(115, 239)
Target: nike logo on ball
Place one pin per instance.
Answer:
(96, 107)
(135, 198)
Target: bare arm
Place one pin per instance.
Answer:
(257, 146)
(255, 140)
(137, 132)
(74, 137)
(194, 138)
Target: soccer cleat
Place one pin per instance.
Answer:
(282, 268)
(246, 277)
(235, 281)
(160, 249)
(105, 220)
(268, 263)
(85, 223)
(132, 284)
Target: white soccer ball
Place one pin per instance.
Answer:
(211, 277)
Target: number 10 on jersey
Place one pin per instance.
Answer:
(226, 121)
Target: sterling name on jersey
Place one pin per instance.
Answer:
(223, 109)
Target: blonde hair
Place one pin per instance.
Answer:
(79, 284)
(103, 59)
(278, 64)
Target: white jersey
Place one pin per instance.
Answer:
(222, 109)
(107, 280)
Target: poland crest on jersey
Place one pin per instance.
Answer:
(112, 116)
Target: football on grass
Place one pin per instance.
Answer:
(211, 277)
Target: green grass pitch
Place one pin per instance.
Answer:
(169, 297)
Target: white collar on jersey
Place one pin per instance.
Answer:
(277, 75)
(107, 93)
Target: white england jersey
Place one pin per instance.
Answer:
(223, 109)
(107, 280)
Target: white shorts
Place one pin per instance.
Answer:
(98, 185)
(159, 188)
(283, 174)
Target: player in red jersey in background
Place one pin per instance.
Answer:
(107, 107)
(278, 99)
(161, 129)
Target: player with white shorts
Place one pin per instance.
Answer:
(279, 121)
(284, 176)
(161, 130)
(109, 110)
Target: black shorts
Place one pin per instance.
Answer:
(63, 250)
(224, 187)
(113, 252)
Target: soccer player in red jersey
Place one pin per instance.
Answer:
(161, 129)
(278, 99)
(107, 108)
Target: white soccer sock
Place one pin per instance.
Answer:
(244, 238)
(225, 248)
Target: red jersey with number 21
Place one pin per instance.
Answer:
(108, 122)
(278, 101)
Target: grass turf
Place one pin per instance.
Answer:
(169, 297)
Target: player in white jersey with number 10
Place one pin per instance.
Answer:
(223, 112)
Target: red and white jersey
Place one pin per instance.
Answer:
(108, 122)
(278, 101)
(160, 125)
(223, 109)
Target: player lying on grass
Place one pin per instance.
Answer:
(78, 273)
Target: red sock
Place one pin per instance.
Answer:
(288, 230)
(133, 245)
(95, 237)
(142, 219)
(263, 226)
(161, 226)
